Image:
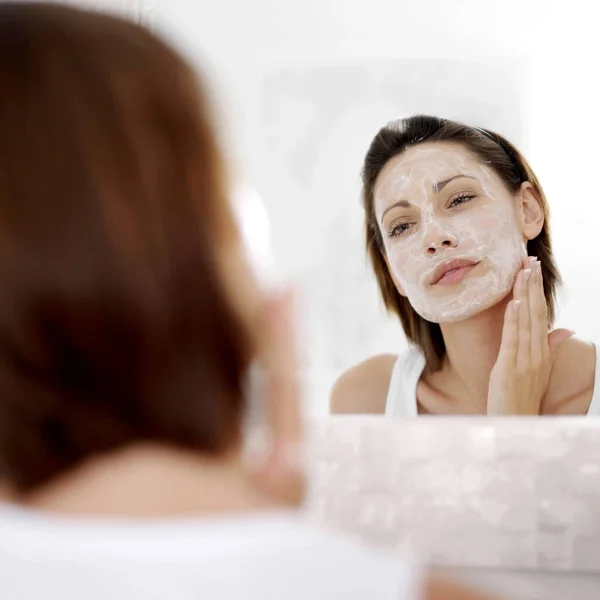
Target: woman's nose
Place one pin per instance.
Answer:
(439, 241)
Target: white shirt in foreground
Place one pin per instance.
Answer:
(270, 556)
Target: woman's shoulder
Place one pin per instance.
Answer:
(572, 380)
(363, 388)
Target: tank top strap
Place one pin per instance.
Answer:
(401, 398)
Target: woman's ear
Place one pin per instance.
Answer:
(396, 282)
(531, 211)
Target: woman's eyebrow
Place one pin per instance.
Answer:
(439, 186)
(399, 204)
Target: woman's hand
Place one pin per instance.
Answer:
(279, 472)
(520, 376)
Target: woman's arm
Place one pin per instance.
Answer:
(363, 388)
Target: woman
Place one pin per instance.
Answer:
(128, 318)
(458, 235)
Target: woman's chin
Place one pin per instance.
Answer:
(462, 310)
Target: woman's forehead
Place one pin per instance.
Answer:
(426, 164)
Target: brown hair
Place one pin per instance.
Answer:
(493, 150)
(115, 324)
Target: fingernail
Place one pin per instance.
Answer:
(526, 275)
(516, 304)
(532, 259)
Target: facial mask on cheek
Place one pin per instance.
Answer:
(490, 237)
(485, 232)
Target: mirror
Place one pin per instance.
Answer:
(303, 106)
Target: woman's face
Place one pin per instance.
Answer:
(451, 229)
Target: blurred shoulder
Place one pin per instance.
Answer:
(363, 388)
(572, 380)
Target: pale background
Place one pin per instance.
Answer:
(302, 87)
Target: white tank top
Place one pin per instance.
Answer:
(402, 393)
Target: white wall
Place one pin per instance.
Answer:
(564, 144)
(303, 86)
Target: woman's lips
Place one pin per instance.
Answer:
(455, 275)
(453, 271)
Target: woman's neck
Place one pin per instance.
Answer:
(472, 348)
(149, 481)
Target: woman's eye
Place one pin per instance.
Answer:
(461, 199)
(400, 229)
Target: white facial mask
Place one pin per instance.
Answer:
(470, 218)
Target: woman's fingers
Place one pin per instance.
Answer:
(500, 401)
(538, 316)
(522, 294)
(514, 336)
(520, 376)
(281, 364)
(510, 335)
(280, 472)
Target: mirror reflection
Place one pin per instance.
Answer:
(457, 231)
(313, 119)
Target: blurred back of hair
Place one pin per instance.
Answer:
(114, 321)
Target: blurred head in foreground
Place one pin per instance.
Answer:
(127, 310)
